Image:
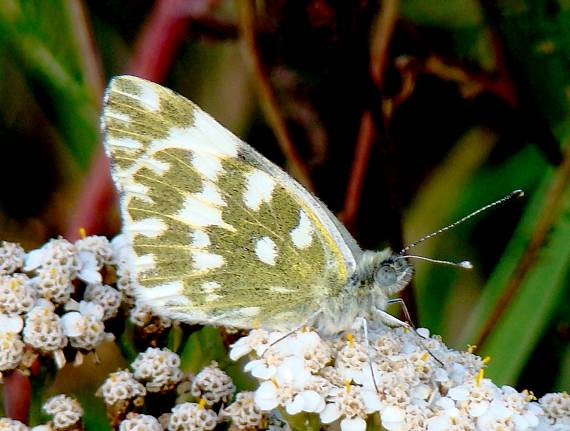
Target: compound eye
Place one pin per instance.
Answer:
(385, 276)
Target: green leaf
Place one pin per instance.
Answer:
(203, 347)
(522, 323)
(94, 414)
(175, 338)
(455, 189)
(38, 37)
(302, 421)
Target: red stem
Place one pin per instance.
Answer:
(17, 394)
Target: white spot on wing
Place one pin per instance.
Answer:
(149, 227)
(266, 250)
(121, 116)
(126, 143)
(200, 239)
(165, 294)
(213, 135)
(210, 286)
(302, 235)
(145, 262)
(205, 135)
(207, 165)
(137, 190)
(198, 213)
(157, 166)
(149, 97)
(211, 297)
(204, 260)
(210, 194)
(259, 187)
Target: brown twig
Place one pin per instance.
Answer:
(269, 102)
(381, 37)
(470, 84)
(548, 215)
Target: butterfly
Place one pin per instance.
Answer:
(222, 236)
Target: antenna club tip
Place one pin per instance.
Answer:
(466, 264)
(518, 193)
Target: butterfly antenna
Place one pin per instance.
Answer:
(463, 264)
(514, 194)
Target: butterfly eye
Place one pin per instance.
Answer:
(385, 276)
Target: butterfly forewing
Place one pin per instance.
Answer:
(219, 234)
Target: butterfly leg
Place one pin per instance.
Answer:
(361, 322)
(406, 313)
(390, 320)
(402, 304)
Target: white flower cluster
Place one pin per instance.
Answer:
(121, 386)
(393, 375)
(556, 408)
(156, 371)
(243, 412)
(61, 295)
(213, 385)
(159, 369)
(66, 411)
(143, 317)
(192, 416)
(12, 257)
(138, 422)
(7, 424)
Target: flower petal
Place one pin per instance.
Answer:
(458, 393)
(33, 259)
(355, 424)
(239, 349)
(92, 308)
(438, 423)
(330, 413)
(73, 324)
(371, 401)
(295, 406)
(393, 418)
(313, 402)
(266, 396)
(11, 323)
(478, 408)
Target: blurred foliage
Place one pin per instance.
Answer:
(475, 104)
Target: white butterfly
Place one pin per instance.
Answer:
(221, 235)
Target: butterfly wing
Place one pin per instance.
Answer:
(220, 235)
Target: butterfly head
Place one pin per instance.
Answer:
(393, 274)
(385, 272)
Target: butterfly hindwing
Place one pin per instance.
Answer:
(219, 234)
